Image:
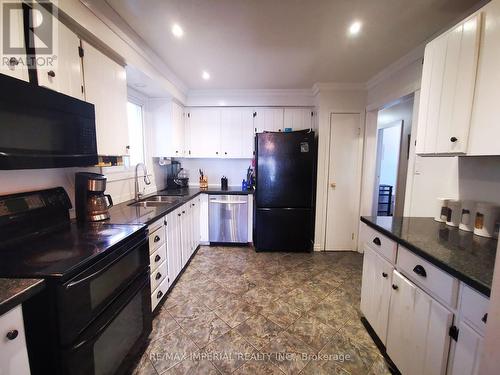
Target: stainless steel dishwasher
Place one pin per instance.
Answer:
(228, 218)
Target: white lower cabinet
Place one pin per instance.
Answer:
(467, 351)
(13, 353)
(418, 331)
(376, 291)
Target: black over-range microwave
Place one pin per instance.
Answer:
(41, 128)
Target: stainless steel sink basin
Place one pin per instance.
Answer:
(155, 201)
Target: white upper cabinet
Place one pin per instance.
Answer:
(17, 62)
(298, 118)
(65, 75)
(204, 132)
(236, 132)
(106, 88)
(447, 91)
(485, 123)
(167, 118)
(268, 119)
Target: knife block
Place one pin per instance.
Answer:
(204, 182)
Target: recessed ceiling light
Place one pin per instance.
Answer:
(177, 30)
(205, 75)
(355, 28)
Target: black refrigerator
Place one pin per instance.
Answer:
(285, 191)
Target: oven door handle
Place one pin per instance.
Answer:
(108, 266)
(103, 327)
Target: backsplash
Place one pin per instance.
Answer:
(234, 169)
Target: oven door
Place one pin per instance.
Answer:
(113, 341)
(81, 299)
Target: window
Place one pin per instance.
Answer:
(135, 133)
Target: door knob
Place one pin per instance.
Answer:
(333, 185)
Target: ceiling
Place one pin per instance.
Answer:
(284, 44)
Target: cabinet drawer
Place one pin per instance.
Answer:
(13, 353)
(428, 276)
(474, 309)
(159, 275)
(156, 225)
(158, 257)
(156, 239)
(159, 293)
(378, 242)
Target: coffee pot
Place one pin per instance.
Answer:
(90, 201)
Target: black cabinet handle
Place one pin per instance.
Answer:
(216, 152)
(178, 214)
(419, 270)
(183, 212)
(377, 241)
(159, 294)
(158, 276)
(51, 73)
(157, 238)
(225, 153)
(157, 258)
(453, 139)
(384, 275)
(484, 319)
(395, 287)
(12, 335)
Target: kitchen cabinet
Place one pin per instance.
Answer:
(298, 118)
(418, 330)
(13, 352)
(17, 67)
(65, 75)
(204, 233)
(174, 257)
(106, 88)
(167, 118)
(204, 132)
(236, 133)
(468, 351)
(447, 90)
(376, 291)
(195, 222)
(268, 119)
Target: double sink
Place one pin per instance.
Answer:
(156, 200)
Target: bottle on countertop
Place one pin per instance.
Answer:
(223, 183)
(244, 185)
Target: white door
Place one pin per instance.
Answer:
(376, 292)
(298, 118)
(268, 119)
(65, 75)
(236, 132)
(17, 66)
(344, 178)
(417, 335)
(204, 128)
(106, 88)
(468, 351)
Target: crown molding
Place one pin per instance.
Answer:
(337, 86)
(246, 92)
(408, 59)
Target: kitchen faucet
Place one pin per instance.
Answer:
(147, 181)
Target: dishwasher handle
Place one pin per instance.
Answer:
(227, 202)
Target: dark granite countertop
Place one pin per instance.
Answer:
(16, 291)
(468, 257)
(123, 213)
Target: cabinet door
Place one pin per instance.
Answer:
(236, 132)
(170, 241)
(467, 351)
(298, 118)
(376, 292)
(204, 127)
(66, 75)
(417, 335)
(13, 353)
(106, 88)
(178, 136)
(268, 119)
(17, 67)
(204, 219)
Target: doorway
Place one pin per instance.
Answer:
(393, 150)
(344, 182)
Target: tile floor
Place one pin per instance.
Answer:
(237, 311)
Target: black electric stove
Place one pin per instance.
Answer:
(94, 315)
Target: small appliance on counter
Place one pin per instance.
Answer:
(177, 177)
(90, 201)
(94, 314)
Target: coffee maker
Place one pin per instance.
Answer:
(90, 201)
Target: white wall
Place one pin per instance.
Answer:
(234, 169)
